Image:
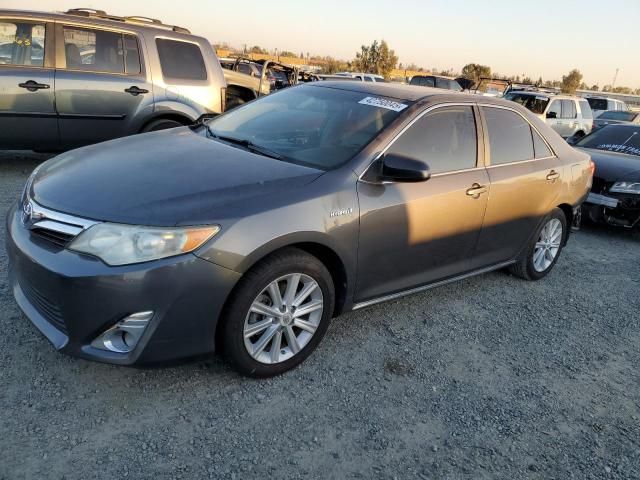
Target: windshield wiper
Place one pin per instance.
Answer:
(248, 144)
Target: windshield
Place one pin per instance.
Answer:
(614, 138)
(618, 115)
(310, 125)
(536, 103)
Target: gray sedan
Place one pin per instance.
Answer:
(248, 233)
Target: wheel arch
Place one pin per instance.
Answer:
(176, 116)
(243, 92)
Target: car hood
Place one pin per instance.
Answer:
(164, 178)
(613, 166)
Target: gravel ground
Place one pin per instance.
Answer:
(492, 377)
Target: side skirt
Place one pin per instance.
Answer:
(429, 286)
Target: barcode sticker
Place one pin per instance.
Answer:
(383, 103)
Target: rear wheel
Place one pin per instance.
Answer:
(278, 314)
(544, 250)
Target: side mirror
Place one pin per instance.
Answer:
(398, 168)
(552, 114)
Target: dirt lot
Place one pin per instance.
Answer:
(493, 377)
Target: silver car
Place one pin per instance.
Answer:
(568, 115)
(85, 76)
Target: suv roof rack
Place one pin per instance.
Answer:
(138, 19)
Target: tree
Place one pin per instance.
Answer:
(475, 71)
(625, 90)
(331, 65)
(257, 49)
(595, 88)
(287, 53)
(571, 82)
(377, 58)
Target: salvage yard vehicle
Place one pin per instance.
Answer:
(615, 195)
(363, 77)
(259, 79)
(246, 234)
(570, 116)
(435, 81)
(101, 77)
(613, 117)
(599, 105)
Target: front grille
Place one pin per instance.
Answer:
(47, 308)
(58, 238)
(54, 227)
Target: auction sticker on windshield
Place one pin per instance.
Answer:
(383, 103)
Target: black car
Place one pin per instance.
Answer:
(615, 195)
(615, 117)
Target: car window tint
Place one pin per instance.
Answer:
(181, 60)
(555, 107)
(540, 148)
(442, 83)
(598, 103)
(21, 43)
(368, 79)
(429, 82)
(93, 50)
(445, 139)
(585, 109)
(131, 55)
(509, 136)
(453, 85)
(244, 68)
(568, 109)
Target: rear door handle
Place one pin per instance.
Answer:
(476, 190)
(553, 175)
(135, 91)
(34, 86)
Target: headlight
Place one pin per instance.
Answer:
(125, 244)
(625, 187)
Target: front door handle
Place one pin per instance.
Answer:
(553, 175)
(135, 91)
(34, 86)
(476, 190)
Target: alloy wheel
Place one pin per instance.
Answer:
(283, 318)
(548, 245)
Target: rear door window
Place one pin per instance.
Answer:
(569, 109)
(444, 138)
(510, 137)
(540, 148)
(181, 60)
(22, 43)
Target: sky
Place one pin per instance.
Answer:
(548, 38)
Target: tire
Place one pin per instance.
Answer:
(234, 101)
(256, 355)
(161, 124)
(530, 266)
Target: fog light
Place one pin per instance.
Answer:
(124, 335)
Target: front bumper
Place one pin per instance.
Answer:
(72, 298)
(620, 210)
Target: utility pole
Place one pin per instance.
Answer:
(615, 77)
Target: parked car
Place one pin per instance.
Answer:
(114, 76)
(600, 105)
(249, 232)
(436, 81)
(277, 76)
(568, 115)
(363, 77)
(615, 195)
(614, 117)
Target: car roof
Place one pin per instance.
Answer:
(409, 93)
(131, 24)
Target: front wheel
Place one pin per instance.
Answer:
(543, 252)
(278, 314)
